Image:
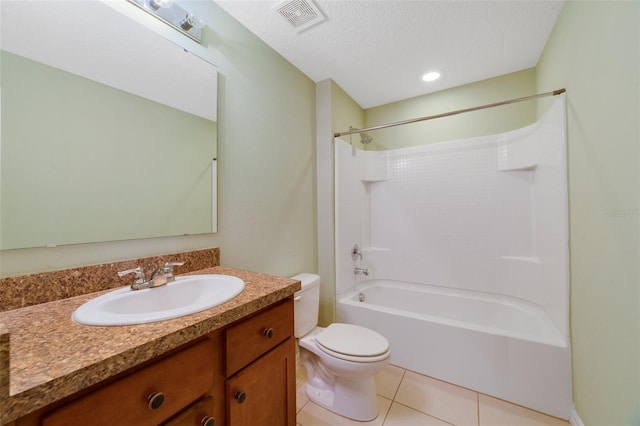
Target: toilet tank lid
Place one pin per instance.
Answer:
(307, 280)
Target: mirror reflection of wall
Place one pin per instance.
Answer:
(83, 158)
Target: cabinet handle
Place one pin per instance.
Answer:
(240, 396)
(208, 421)
(268, 333)
(155, 400)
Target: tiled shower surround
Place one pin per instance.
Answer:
(466, 247)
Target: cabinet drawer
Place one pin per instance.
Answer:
(254, 336)
(199, 414)
(182, 378)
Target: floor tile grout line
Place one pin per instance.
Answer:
(387, 412)
(393, 398)
(388, 409)
(425, 413)
(412, 408)
(404, 371)
(304, 382)
(302, 408)
(403, 376)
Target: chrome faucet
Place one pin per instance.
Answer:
(168, 270)
(363, 271)
(160, 276)
(140, 281)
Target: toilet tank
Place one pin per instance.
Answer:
(306, 303)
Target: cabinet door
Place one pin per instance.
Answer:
(263, 394)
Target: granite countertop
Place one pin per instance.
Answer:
(52, 357)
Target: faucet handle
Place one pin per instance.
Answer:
(168, 266)
(355, 252)
(140, 278)
(168, 269)
(363, 271)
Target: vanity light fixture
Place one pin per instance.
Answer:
(157, 4)
(174, 16)
(431, 76)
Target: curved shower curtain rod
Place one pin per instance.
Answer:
(447, 114)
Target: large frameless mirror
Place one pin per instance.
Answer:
(108, 129)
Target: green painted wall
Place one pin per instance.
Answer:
(477, 123)
(267, 179)
(266, 168)
(345, 112)
(335, 111)
(594, 51)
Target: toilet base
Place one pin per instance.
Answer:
(345, 387)
(352, 398)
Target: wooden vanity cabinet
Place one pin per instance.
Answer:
(198, 414)
(264, 392)
(243, 374)
(260, 367)
(149, 396)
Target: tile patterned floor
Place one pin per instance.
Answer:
(406, 398)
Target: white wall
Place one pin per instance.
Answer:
(351, 207)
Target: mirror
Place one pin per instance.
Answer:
(108, 128)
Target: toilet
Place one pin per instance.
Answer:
(340, 359)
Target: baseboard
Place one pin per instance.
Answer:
(575, 419)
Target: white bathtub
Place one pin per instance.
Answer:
(497, 345)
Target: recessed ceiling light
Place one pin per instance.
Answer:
(431, 76)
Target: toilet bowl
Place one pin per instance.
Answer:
(340, 359)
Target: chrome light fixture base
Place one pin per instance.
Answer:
(174, 16)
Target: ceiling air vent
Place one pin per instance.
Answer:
(300, 14)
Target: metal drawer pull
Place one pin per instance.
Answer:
(240, 396)
(155, 400)
(208, 421)
(268, 333)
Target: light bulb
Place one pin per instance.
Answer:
(157, 4)
(191, 21)
(431, 76)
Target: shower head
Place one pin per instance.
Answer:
(365, 138)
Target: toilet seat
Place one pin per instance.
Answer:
(353, 343)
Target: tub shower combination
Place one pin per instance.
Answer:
(465, 245)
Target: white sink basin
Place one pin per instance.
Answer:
(186, 295)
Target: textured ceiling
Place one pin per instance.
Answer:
(377, 50)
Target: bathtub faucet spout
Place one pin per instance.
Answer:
(363, 271)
